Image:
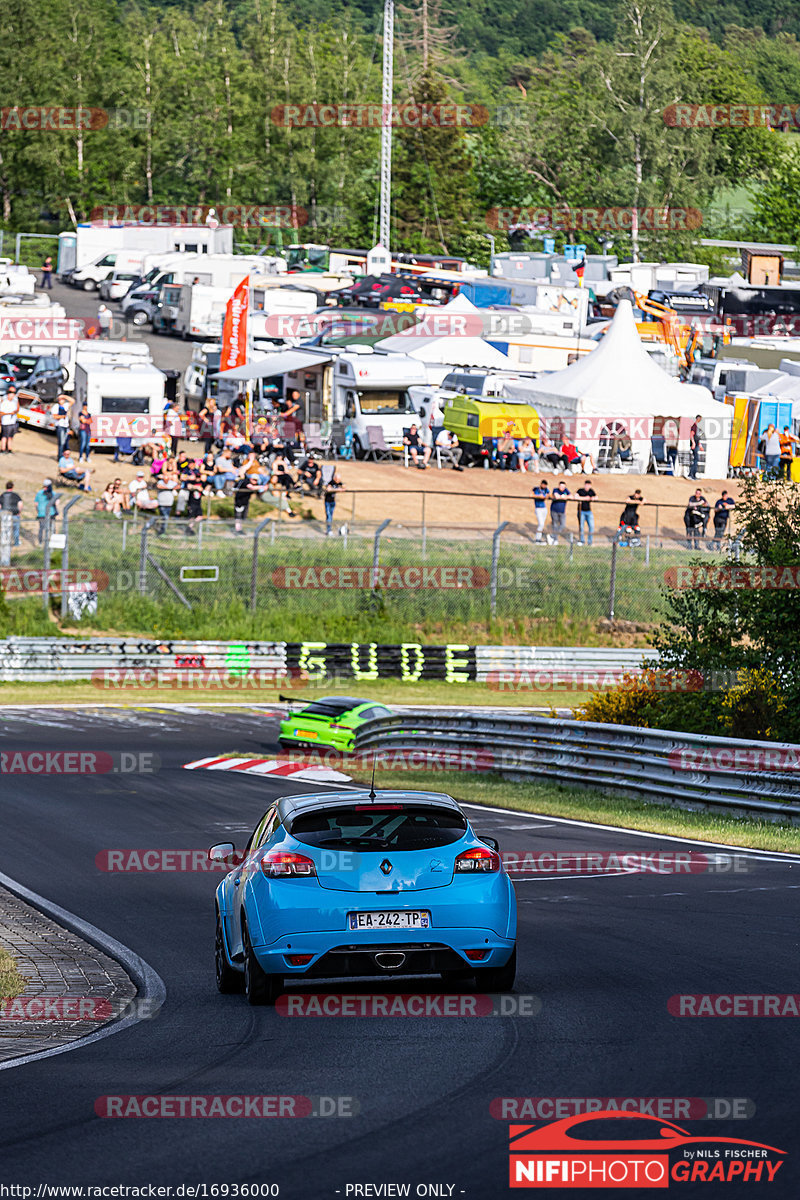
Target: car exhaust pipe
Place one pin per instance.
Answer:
(389, 960)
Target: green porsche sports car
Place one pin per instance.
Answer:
(329, 721)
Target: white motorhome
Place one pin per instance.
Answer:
(358, 387)
(86, 352)
(98, 241)
(16, 279)
(125, 399)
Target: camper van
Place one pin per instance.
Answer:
(100, 243)
(120, 390)
(210, 270)
(477, 421)
(358, 387)
(85, 353)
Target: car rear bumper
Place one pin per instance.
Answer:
(400, 951)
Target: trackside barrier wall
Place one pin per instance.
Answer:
(42, 660)
(760, 778)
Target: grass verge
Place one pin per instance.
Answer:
(599, 807)
(382, 691)
(11, 982)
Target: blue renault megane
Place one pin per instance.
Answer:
(363, 884)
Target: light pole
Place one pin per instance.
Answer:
(490, 237)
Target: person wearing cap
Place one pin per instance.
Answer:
(46, 501)
(139, 493)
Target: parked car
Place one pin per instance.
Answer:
(118, 285)
(42, 373)
(140, 307)
(343, 884)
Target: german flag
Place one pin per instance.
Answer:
(579, 270)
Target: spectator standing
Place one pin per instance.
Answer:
(586, 495)
(104, 319)
(722, 510)
(11, 502)
(787, 441)
(629, 529)
(246, 488)
(695, 445)
(166, 487)
(558, 511)
(59, 411)
(9, 410)
(205, 420)
(695, 519)
(540, 493)
(84, 432)
(47, 273)
(772, 451)
(46, 501)
(330, 490)
(288, 408)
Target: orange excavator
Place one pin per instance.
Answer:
(683, 337)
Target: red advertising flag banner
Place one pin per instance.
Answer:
(234, 330)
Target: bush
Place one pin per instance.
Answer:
(755, 708)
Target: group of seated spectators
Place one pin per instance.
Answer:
(507, 453)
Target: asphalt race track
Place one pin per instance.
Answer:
(603, 954)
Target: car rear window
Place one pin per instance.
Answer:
(404, 828)
(333, 707)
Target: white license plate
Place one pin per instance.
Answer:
(388, 920)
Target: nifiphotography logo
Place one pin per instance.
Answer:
(586, 1151)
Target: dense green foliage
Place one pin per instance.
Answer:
(729, 635)
(575, 96)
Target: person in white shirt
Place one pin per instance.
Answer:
(9, 407)
(447, 444)
(139, 493)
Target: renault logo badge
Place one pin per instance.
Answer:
(386, 867)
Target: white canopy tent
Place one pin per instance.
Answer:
(619, 388)
(459, 346)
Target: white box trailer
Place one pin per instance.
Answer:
(95, 240)
(200, 309)
(125, 399)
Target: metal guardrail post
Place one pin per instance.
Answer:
(254, 568)
(6, 538)
(65, 553)
(612, 586)
(143, 556)
(495, 560)
(376, 550)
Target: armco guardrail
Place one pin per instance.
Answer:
(686, 769)
(41, 660)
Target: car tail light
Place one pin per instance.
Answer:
(334, 726)
(378, 807)
(477, 860)
(476, 955)
(298, 960)
(283, 864)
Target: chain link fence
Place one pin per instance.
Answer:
(428, 583)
